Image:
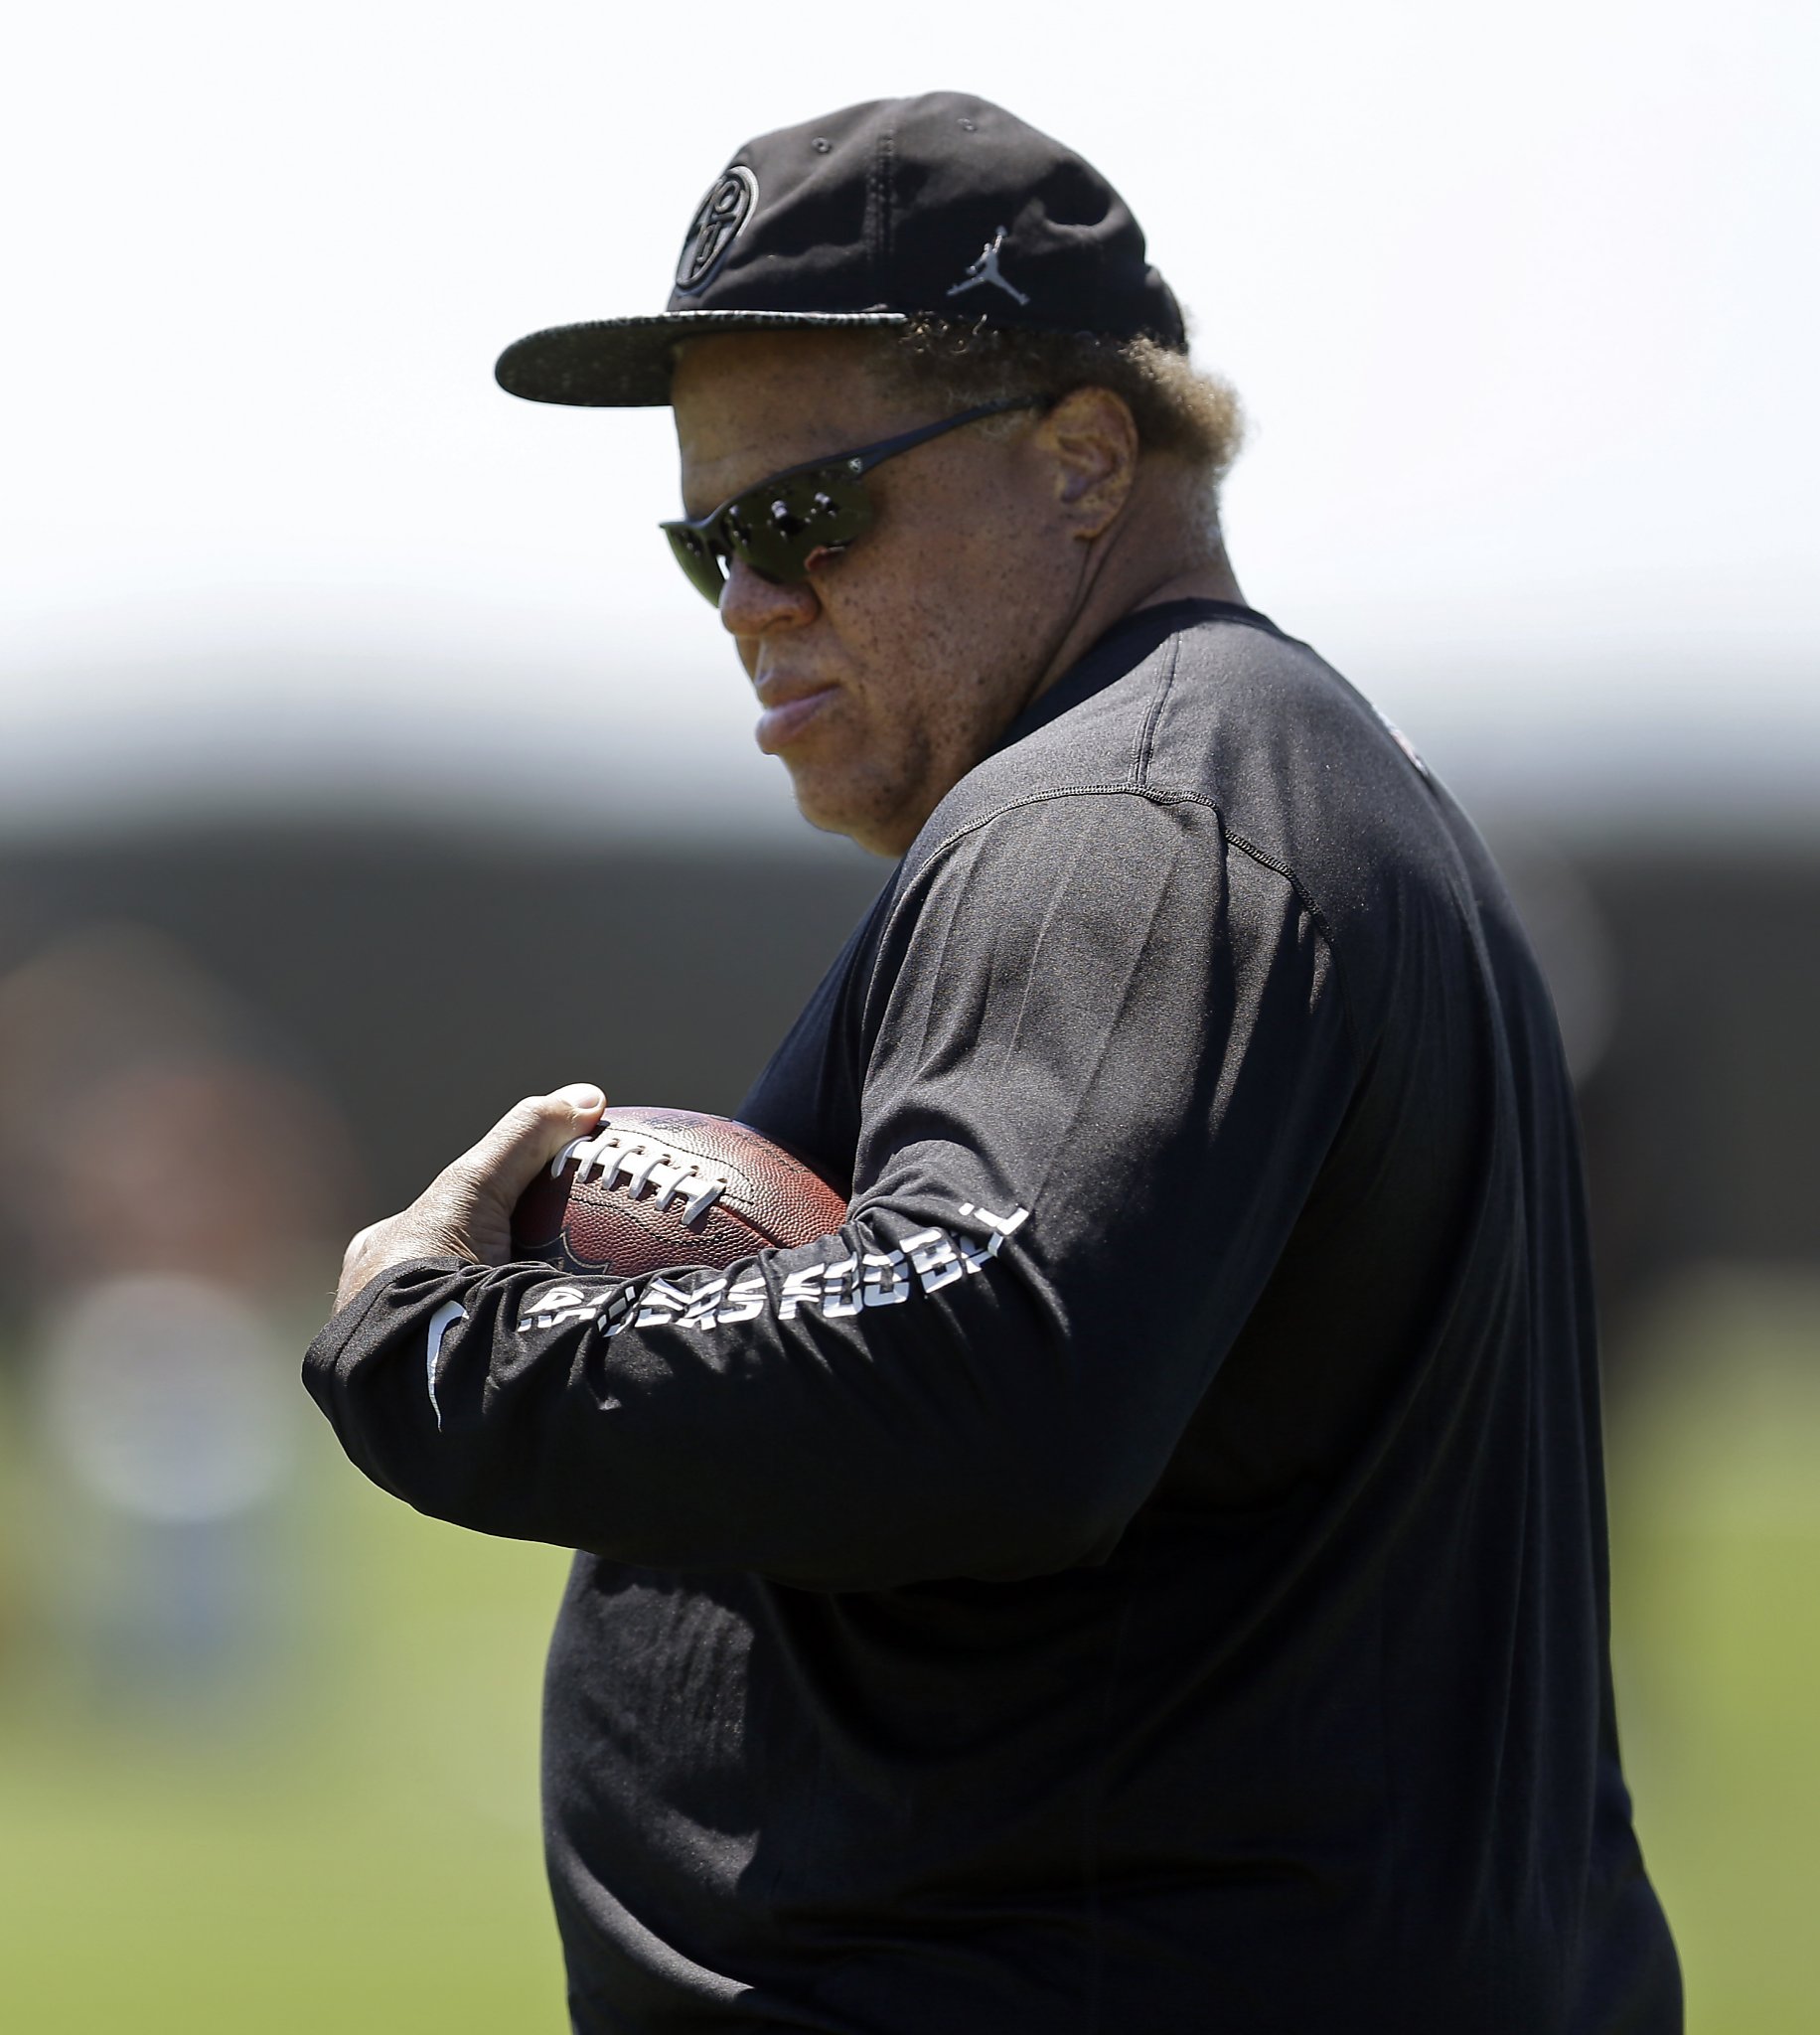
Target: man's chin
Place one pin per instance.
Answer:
(835, 809)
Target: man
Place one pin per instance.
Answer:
(1179, 1601)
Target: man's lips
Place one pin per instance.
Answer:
(785, 718)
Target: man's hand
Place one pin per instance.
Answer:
(466, 1211)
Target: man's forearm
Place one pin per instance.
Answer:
(883, 1407)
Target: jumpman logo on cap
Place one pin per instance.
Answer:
(986, 270)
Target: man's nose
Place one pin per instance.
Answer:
(752, 605)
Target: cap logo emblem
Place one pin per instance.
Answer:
(714, 228)
(986, 270)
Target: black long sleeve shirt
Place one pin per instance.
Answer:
(1147, 1571)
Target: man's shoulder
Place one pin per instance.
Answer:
(1205, 703)
(1242, 742)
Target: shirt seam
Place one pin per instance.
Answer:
(1147, 735)
(1141, 772)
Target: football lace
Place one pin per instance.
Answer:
(619, 1156)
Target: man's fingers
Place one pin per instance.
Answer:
(466, 1212)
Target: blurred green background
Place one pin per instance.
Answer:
(350, 1843)
(342, 1836)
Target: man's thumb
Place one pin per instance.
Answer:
(526, 1138)
(582, 1097)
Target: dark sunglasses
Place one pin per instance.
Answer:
(778, 524)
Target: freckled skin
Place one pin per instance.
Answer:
(995, 556)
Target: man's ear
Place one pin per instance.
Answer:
(1090, 438)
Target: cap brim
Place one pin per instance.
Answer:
(625, 363)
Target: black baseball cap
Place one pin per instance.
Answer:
(945, 205)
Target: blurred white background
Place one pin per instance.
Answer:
(1522, 308)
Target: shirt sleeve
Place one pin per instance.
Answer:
(1105, 1055)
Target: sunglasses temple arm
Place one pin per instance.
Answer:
(863, 462)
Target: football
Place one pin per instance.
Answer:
(651, 1189)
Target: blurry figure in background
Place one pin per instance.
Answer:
(167, 1188)
(156, 1395)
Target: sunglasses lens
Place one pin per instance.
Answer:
(778, 527)
(700, 559)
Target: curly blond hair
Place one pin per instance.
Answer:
(1179, 408)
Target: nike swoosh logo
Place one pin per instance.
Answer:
(441, 1322)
